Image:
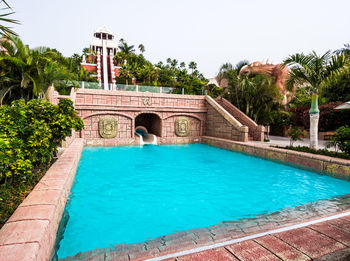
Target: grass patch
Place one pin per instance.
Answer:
(324, 152)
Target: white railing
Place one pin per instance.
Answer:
(130, 88)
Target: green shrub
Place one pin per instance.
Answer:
(30, 134)
(341, 139)
(318, 152)
(295, 134)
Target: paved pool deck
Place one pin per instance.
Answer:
(285, 141)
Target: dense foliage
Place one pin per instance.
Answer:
(255, 95)
(319, 152)
(341, 139)
(338, 89)
(295, 134)
(27, 73)
(330, 118)
(30, 134)
(172, 73)
(313, 70)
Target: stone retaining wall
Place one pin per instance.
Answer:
(255, 131)
(30, 233)
(125, 107)
(221, 124)
(205, 115)
(339, 168)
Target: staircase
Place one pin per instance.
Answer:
(255, 131)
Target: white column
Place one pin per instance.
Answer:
(104, 61)
(112, 69)
(314, 130)
(99, 67)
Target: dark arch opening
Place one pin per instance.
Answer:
(150, 121)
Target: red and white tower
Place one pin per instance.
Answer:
(101, 60)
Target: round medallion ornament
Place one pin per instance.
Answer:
(182, 126)
(108, 127)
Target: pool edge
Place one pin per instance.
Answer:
(334, 167)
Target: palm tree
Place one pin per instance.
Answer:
(126, 49)
(125, 72)
(29, 72)
(315, 71)
(142, 48)
(231, 74)
(345, 50)
(5, 30)
(192, 65)
(173, 63)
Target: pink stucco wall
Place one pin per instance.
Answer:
(92, 105)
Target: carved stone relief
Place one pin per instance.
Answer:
(147, 101)
(182, 126)
(108, 127)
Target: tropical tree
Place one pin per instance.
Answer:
(255, 95)
(174, 63)
(315, 71)
(86, 50)
(344, 51)
(192, 65)
(126, 49)
(4, 18)
(142, 48)
(27, 73)
(231, 74)
(125, 72)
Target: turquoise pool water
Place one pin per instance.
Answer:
(132, 194)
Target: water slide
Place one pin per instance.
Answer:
(145, 137)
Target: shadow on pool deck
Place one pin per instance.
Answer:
(305, 243)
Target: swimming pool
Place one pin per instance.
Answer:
(132, 194)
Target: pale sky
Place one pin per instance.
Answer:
(210, 32)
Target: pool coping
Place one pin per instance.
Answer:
(30, 232)
(334, 167)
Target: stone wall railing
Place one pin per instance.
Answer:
(222, 124)
(255, 131)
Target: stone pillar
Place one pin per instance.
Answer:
(260, 132)
(244, 133)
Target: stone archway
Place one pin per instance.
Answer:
(151, 122)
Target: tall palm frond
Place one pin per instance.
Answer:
(4, 18)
